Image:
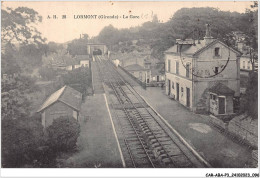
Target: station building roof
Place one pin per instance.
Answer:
(221, 89)
(66, 95)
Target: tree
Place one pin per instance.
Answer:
(78, 46)
(252, 36)
(20, 139)
(15, 104)
(9, 63)
(109, 35)
(63, 133)
(252, 95)
(17, 26)
(80, 79)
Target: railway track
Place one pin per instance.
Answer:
(146, 142)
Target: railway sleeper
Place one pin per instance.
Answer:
(148, 132)
(152, 141)
(151, 137)
(155, 145)
(145, 128)
(167, 162)
(142, 123)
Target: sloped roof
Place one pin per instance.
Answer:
(221, 89)
(67, 95)
(81, 57)
(190, 49)
(134, 67)
(214, 42)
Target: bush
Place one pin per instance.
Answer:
(63, 134)
(20, 139)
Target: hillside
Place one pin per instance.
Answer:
(157, 37)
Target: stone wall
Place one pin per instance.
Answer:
(241, 127)
(245, 127)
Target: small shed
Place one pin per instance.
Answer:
(221, 99)
(64, 102)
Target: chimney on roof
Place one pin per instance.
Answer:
(208, 38)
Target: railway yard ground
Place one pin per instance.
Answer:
(144, 139)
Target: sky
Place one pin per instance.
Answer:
(63, 30)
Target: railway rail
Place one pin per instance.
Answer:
(145, 140)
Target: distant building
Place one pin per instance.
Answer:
(195, 68)
(139, 72)
(240, 43)
(64, 102)
(245, 63)
(80, 61)
(158, 74)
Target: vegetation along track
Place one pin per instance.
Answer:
(144, 139)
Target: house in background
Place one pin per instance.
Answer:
(82, 60)
(158, 74)
(139, 72)
(245, 61)
(196, 68)
(64, 102)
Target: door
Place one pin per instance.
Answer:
(75, 115)
(177, 91)
(188, 97)
(169, 87)
(221, 105)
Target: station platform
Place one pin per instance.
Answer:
(217, 149)
(97, 142)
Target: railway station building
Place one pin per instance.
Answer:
(203, 75)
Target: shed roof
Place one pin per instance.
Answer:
(221, 89)
(67, 95)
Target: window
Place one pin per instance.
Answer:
(177, 67)
(217, 52)
(188, 70)
(213, 97)
(216, 70)
(244, 64)
(248, 65)
(169, 66)
(181, 89)
(172, 85)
